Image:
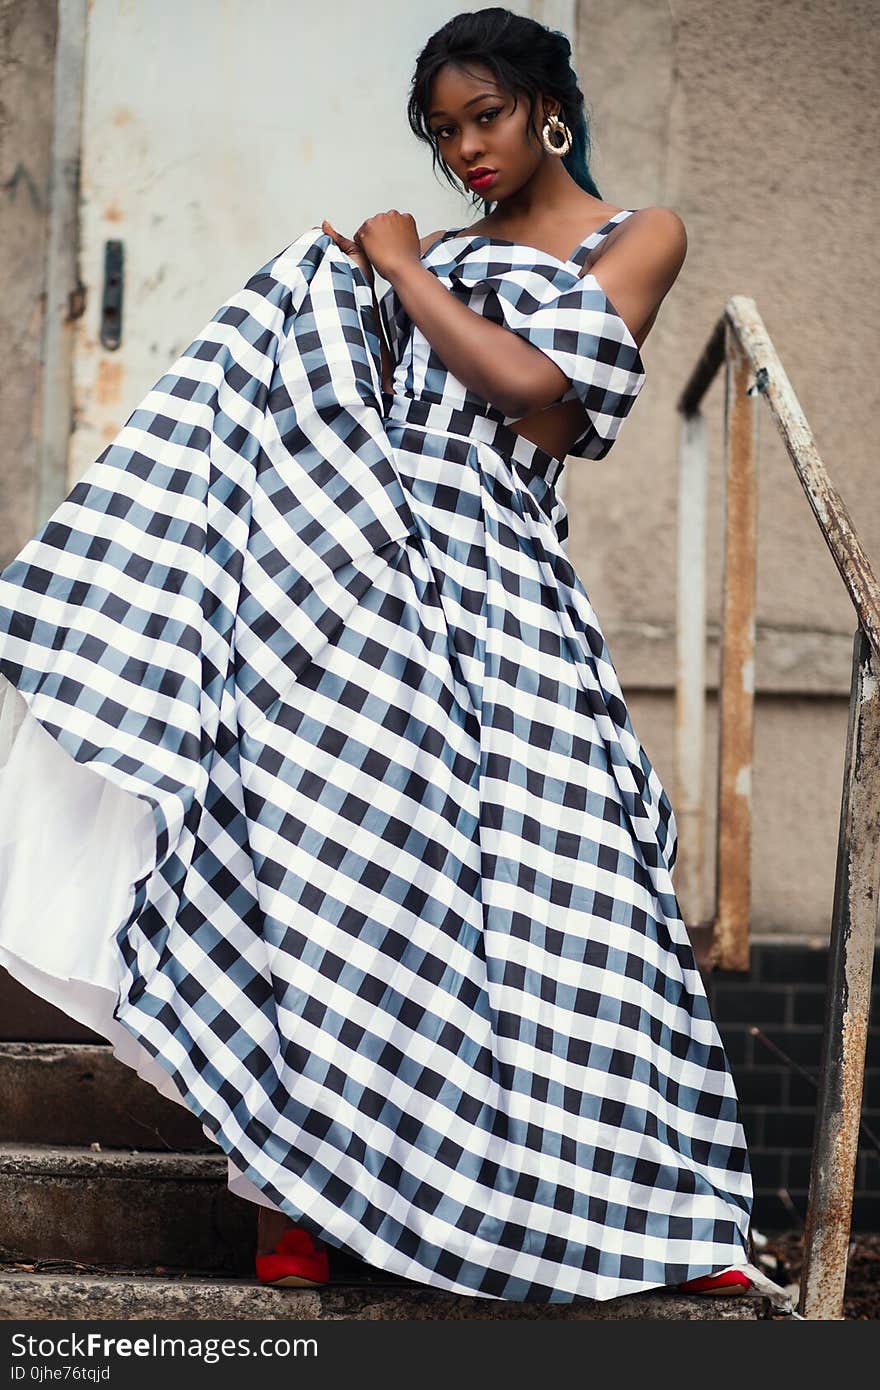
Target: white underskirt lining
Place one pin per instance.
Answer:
(71, 845)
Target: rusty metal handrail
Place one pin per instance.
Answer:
(742, 319)
(741, 343)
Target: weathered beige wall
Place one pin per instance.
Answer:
(27, 41)
(757, 123)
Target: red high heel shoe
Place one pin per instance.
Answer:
(744, 1279)
(728, 1281)
(296, 1262)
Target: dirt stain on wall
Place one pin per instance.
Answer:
(108, 383)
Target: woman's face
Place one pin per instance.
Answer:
(476, 127)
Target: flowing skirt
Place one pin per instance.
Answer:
(319, 798)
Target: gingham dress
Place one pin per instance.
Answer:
(398, 922)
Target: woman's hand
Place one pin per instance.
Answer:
(390, 240)
(351, 248)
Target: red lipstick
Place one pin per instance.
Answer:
(481, 178)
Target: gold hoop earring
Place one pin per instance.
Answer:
(553, 127)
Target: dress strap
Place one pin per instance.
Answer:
(590, 242)
(437, 240)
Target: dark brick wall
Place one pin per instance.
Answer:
(783, 995)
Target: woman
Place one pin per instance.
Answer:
(318, 736)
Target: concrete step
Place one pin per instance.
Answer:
(122, 1294)
(123, 1208)
(76, 1093)
(26, 1017)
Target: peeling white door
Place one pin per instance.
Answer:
(214, 133)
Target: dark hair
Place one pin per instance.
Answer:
(524, 56)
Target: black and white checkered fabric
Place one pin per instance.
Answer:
(408, 942)
(555, 305)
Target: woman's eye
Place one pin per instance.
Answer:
(440, 132)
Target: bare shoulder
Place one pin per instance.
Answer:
(659, 233)
(637, 265)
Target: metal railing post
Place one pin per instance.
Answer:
(847, 999)
(690, 674)
(740, 339)
(736, 689)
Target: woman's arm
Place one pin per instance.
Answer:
(636, 273)
(639, 265)
(485, 357)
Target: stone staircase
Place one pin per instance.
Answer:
(114, 1205)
